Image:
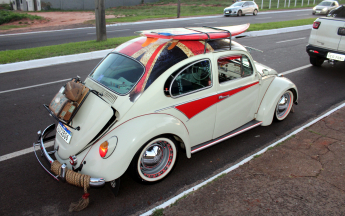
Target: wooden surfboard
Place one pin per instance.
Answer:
(195, 33)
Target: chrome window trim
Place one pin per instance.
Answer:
(253, 71)
(191, 92)
(144, 71)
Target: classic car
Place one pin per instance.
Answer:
(156, 95)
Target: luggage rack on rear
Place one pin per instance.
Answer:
(209, 35)
(60, 120)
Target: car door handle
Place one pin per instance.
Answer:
(223, 97)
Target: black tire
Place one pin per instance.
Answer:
(284, 106)
(159, 166)
(255, 12)
(239, 13)
(313, 13)
(316, 61)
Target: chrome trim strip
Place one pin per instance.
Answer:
(225, 138)
(169, 107)
(94, 182)
(184, 70)
(89, 76)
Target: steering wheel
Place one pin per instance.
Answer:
(203, 75)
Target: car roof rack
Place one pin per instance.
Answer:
(209, 39)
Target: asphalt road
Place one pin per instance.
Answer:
(26, 189)
(21, 41)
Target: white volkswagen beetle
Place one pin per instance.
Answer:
(152, 97)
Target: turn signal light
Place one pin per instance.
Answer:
(316, 25)
(103, 149)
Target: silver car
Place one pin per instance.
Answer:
(325, 7)
(241, 8)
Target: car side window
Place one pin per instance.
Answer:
(233, 67)
(191, 79)
(245, 5)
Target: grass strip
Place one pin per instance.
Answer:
(8, 16)
(10, 56)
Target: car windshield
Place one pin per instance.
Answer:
(325, 4)
(237, 4)
(118, 73)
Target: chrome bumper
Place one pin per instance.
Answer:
(94, 182)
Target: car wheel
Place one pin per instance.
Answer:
(313, 13)
(284, 106)
(255, 12)
(316, 61)
(239, 13)
(155, 160)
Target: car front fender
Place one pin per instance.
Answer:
(268, 104)
(131, 136)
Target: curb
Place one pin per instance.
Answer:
(11, 67)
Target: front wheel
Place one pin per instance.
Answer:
(316, 61)
(239, 13)
(255, 12)
(284, 106)
(155, 160)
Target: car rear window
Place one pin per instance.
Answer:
(118, 73)
(339, 12)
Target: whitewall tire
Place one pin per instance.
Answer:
(284, 106)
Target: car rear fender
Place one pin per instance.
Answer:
(268, 104)
(131, 135)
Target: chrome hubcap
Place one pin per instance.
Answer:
(156, 159)
(283, 105)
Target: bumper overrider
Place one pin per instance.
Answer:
(42, 137)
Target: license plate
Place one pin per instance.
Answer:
(226, 11)
(318, 11)
(64, 132)
(335, 56)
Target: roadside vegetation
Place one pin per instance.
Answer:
(10, 16)
(168, 9)
(10, 56)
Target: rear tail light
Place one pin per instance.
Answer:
(316, 24)
(341, 31)
(103, 149)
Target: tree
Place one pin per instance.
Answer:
(101, 30)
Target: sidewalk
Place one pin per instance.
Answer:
(302, 176)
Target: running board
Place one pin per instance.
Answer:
(248, 126)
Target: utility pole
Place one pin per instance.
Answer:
(178, 8)
(101, 30)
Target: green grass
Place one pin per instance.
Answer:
(168, 9)
(7, 27)
(158, 212)
(10, 56)
(8, 16)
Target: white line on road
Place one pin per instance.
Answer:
(291, 40)
(174, 199)
(205, 22)
(303, 15)
(264, 18)
(23, 152)
(33, 86)
(111, 31)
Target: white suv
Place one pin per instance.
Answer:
(327, 38)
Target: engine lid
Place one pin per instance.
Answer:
(92, 116)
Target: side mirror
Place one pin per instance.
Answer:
(265, 72)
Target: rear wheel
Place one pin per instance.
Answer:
(284, 106)
(239, 13)
(155, 160)
(316, 61)
(255, 12)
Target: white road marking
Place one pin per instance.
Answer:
(33, 86)
(264, 18)
(23, 152)
(291, 40)
(303, 15)
(205, 22)
(296, 69)
(111, 31)
(174, 199)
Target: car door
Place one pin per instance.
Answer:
(237, 91)
(245, 8)
(192, 92)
